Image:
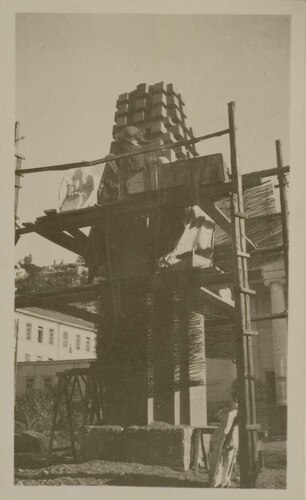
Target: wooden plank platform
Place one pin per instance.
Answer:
(86, 293)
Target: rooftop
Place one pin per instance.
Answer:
(58, 316)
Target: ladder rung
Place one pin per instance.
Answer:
(250, 332)
(241, 215)
(243, 254)
(247, 291)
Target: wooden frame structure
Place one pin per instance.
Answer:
(64, 229)
(89, 387)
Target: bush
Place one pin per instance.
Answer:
(34, 411)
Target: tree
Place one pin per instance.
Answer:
(49, 277)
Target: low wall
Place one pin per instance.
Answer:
(155, 444)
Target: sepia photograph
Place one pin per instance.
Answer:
(152, 210)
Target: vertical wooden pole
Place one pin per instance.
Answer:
(86, 399)
(74, 379)
(54, 417)
(17, 187)
(69, 415)
(284, 206)
(248, 459)
(16, 353)
(18, 167)
(95, 398)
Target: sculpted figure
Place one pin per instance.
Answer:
(76, 190)
(223, 448)
(168, 238)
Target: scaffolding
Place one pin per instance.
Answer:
(64, 229)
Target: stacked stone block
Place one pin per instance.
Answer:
(158, 110)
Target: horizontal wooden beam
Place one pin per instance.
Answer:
(206, 276)
(144, 203)
(272, 316)
(217, 322)
(199, 277)
(60, 295)
(105, 159)
(269, 172)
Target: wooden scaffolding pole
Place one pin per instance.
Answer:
(282, 184)
(248, 456)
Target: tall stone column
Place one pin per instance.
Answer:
(280, 337)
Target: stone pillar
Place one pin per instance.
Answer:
(280, 338)
(274, 278)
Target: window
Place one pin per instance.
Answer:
(28, 331)
(65, 339)
(40, 334)
(50, 359)
(87, 344)
(78, 342)
(29, 383)
(47, 383)
(27, 357)
(51, 336)
(39, 358)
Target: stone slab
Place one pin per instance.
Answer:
(165, 445)
(156, 444)
(100, 442)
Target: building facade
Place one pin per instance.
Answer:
(45, 335)
(42, 376)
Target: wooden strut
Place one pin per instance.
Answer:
(248, 456)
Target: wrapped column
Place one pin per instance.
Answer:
(178, 370)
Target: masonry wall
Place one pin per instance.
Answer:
(40, 375)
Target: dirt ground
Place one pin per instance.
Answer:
(100, 472)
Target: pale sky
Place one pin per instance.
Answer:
(70, 69)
